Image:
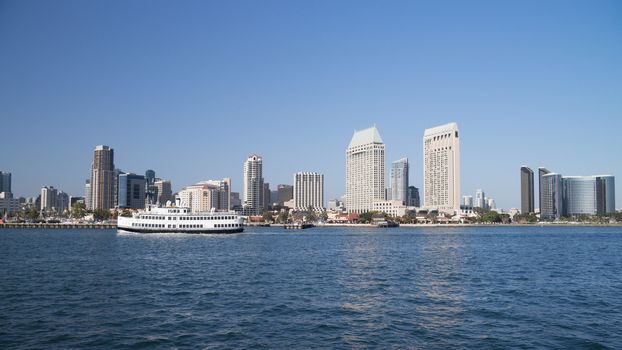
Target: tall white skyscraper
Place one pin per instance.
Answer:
(399, 180)
(253, 185)
(480, 199)
(441, 168)
(308, 191)
(364, 171)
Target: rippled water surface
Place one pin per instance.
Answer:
(318, 288)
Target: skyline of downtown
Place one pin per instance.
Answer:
(192, 101)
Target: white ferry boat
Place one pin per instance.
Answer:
(180, 219)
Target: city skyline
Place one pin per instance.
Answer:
(137, 92)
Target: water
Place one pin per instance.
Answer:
(339, 288)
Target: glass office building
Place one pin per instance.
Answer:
(552, 203)
(589, 195)
(131, 191)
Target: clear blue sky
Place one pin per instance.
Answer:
(189, 89)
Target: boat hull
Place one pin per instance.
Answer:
(197, 231)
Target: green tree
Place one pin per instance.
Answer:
(267, 216)
(367, 217)
(126, 213)
(492, 217)
(324, 216)
(32, 213)
(101, 214)
(78, 210)
(311, 216)
(410, 216)
(283, 217)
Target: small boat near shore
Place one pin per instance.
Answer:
(387, 224)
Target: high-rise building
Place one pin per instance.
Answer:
(115, 187)
(364, 171)
(413, 197)
(207, 195)
(491, 204)
(164, 192)
(253, 185)
(526, 190)
(266, 196)
(552, 205)
(48, 199)
(88, 202)
(541, 172)
(150, 189)
(399, 180)
(480, 199)
(236, 202)
(8, 204)
(308, 191)
(467, 201)
(588, 195)
(62, 202)
(5, 182)
(102, 178)
(441, 168)
(284, 193)
(131, 189)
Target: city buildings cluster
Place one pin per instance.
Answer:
(110, 188)
(566, 196)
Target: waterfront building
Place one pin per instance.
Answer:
(467, 201)
(441, 168)
(8, 204)
(253, 185)
(541, 172)
(399, 180)
(163, 191)
(236, 202)
(526, 190)
(480, 199)
(5, 182)
(284, 193)
(413, 197)
(62, 202)
(73, 200)
(207, 195)
(102, 178)
(87, 195)
(115, 187)
(308, 191)
(131, 188)
(365, 159)
(48, 199)
(390, 207)
(387, 194)
(491, 204)
(266, 196)
(551, 187)
(150, 188)
(588, 195)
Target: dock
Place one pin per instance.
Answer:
(60, 225)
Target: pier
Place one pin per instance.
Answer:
(60, 225)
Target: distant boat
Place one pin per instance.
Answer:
(387, 223)
(182, 220)
(297, 226)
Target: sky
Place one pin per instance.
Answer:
(191, 88)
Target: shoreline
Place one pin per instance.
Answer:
(114, 226)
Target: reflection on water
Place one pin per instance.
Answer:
(321, 288)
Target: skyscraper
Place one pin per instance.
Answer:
(131, 189)
(552, 205)
(364, 170)
(541, 172)
(150, 189)
(413, 197)
(48, 198)
(480, 199)
(588, 195)
(441, 168)
(308, 191)
(253, 185)
(526, 190)
(467, 201)
(399, 180)
(266, 196)
(88, 202)
(102, 178)
(284, 193)
(5, 182)
(207, 195)
(164, 191)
